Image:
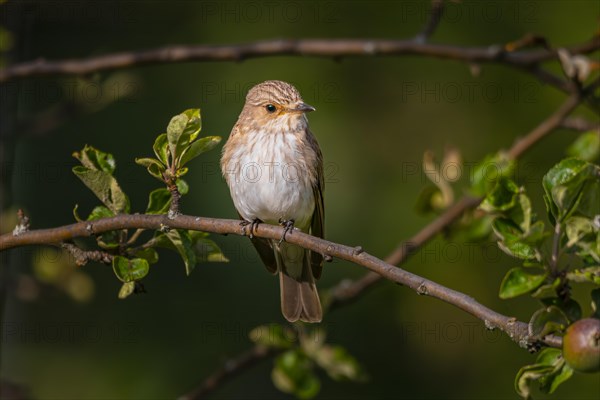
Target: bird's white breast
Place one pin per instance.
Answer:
(270, 181)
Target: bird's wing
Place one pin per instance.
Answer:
(317, 226)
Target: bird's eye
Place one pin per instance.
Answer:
(270, 108)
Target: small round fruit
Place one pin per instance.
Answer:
(581, 345)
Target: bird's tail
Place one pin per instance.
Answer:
(299, 296)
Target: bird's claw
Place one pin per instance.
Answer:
(288, 227)
(244, 224)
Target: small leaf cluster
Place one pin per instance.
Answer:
(301, 352)
(174, 149)
(177, 147)
(549, 371)
(572, 199)
(474, 226)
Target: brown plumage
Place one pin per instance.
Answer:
(274, 168)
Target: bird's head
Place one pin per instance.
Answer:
(276, 103)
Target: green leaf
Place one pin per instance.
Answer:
(548, 356)
(506, 229)
(105, 187)
(179, 240)
(564, 186)
(339, 364)
(519, 249)
(147, 162)
(487, 172)
(182, 130)
(549, 383)
(560, 371)
(521, 213)
(106, 240)
(536, 234)
(156, 171)
(129, 270)
(95, 159)
(569, 307)
(517, 282)
(161, 148)
(274, 336)
(198, 147)
(547, 320)
(502, 197)
(126, 290)
(175, 130)
(205, 249)
(181, 172)
(512, 241)
(547, 291)
(100, 212)
(182, 186)
(584, 239)
(527, 375)
(194, 123)
(148, 254)
(586, 147)
(159, 201)
(576, 228)
(550, 370)
(293, 374)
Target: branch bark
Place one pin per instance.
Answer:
(516, 330)
(332, 48)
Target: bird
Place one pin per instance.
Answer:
(273, 166)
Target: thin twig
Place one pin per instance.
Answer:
(347, 291)
(136, 235)
(231, 368)
(435, 16)
(82, 257)
(580, 124)
(524, 143)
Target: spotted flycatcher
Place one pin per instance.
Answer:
(274, 168)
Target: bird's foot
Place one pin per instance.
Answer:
(248, 228)
(288, 227)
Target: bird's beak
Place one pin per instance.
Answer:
(303, 108)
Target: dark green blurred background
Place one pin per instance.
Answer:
(66, 335)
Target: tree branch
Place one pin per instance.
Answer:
(334, 48)
(347, 291)
(516, 330)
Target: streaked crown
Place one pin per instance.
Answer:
(278, 92)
